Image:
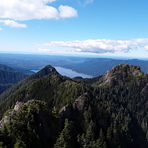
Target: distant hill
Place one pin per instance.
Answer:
(28, 80)
(9, 76)
(49, 110)
(99, 66)
(47, 84)
(92, 66)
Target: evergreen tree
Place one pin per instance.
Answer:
(101, 143)
(67, 137)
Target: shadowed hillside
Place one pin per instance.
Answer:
(50, 110)
(8, 77)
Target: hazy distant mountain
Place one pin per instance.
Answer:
(85, 65)
(8, 77)
(49, 110)
(98, 66)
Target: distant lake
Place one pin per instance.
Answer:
(35, 71)
(68, 72)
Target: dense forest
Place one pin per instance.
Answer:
(49, 110)
(9, 76)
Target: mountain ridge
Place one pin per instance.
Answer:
(122, 73)
(8, 77)
(107, 111)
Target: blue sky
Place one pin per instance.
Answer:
(90, 27)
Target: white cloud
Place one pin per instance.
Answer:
(102, 45)
(49, 1)
(44, 50)
(12, 23)
(145, 47)
(66, 11)
(33, 9)
(1, 29)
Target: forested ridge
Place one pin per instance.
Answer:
(52, 111)
(8, 77)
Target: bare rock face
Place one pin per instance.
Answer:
(79, 104)
(120, 74)
(65, 112)
(80, 101)
(18, 105)
(4, 120)
(144, 91)
(9, 113)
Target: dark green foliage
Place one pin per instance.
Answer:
(67, 137)
(89, 81)
(8, 77)
(28, 127)
(55, 89)
(111, 113)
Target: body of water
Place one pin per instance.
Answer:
(35, 71)
(68, 72)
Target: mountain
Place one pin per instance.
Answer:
(99, 66)
(9, 76)
(122, 74)
(93, 66)
(53, 111)
(47, 85)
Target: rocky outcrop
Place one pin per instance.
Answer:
(120, 74)
(65, 112)
(4, 120)
(18, 105)
(80, 101)
(79, 104)
(144, 91)
(9, 113)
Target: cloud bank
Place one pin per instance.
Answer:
(102, 45)
(44, 50)
(22, 10)
(12, 23)
(146, 47)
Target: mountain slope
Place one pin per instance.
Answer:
(126, 86)
(110, 113)
(46, 85)
(122, 74)
(8, 77)
(26, 82)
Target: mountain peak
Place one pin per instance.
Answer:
(48, 69)
(45, 71)
(126, 68)
(120, 74)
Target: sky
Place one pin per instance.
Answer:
(75, 27)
